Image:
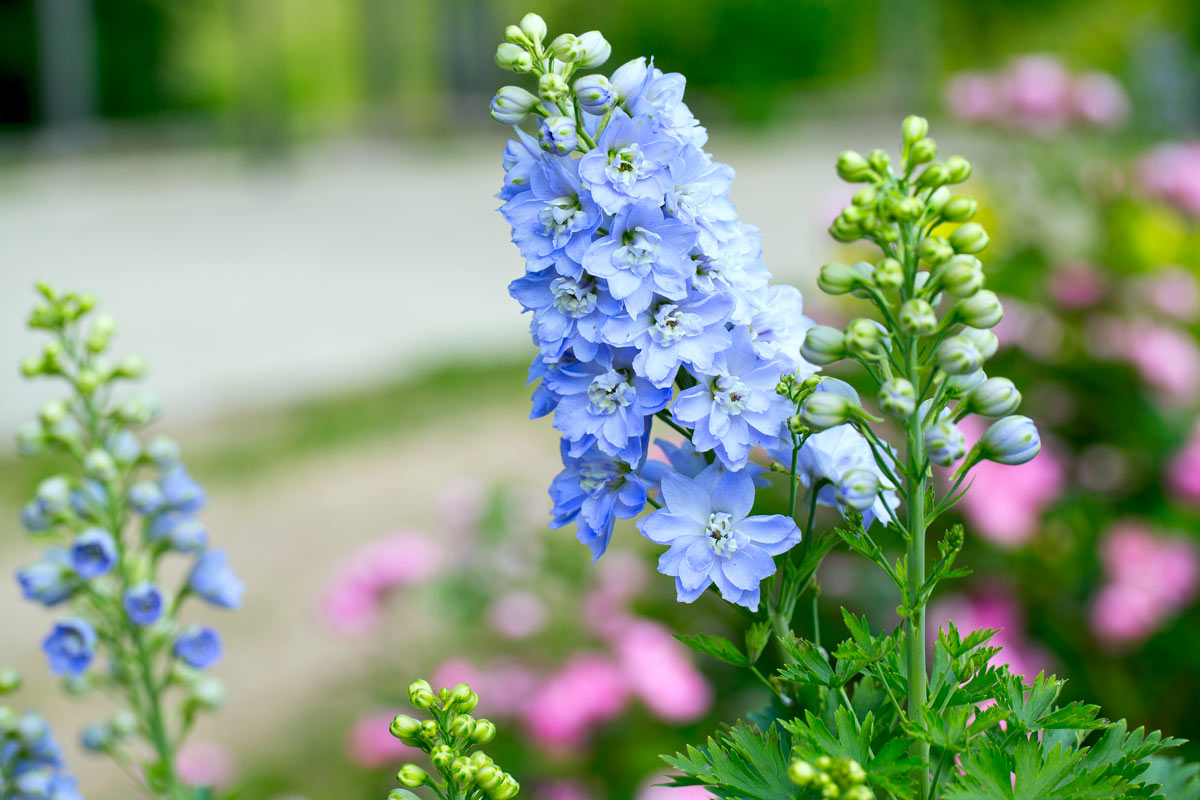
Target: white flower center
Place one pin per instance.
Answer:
(730, 394)
(573, 298)
(609, 392)
(671, 325)
(719, 533)
(626, 166)
(639, 251)
(561, 217)
(596, 476)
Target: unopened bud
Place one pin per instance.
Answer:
(508, 788)
(908, 209)
(957, 386)
(959, 168)
(936, 251)
(411, 776)
(10, 680)
(557, 135)
(1011, 440)
(970, 238)
(567, 48)
(406, 729)
(442, 755)
(980, 310)
(484, 732)
(553, 87)
(462, 771)
(420, 694)
(823, 410)
(994, 397)
(533, 26)
(512, 105)
(986, 341)
(914, 128)
(596, 49)
(897, 397)
(879, 161)
(956, 355)
(917, 317)
(462, 725)
(852, 167)
(858, 489)
(922, 150)
(823, 345)
(934, 175)
(595, 94)
(960, 208)
(888, 274)
(100, 465)
(802, 773)
(837, 279)
(131, 367)
(513, 57)
(488, 777)
(962, 276)
(944, 443)
(861, 336)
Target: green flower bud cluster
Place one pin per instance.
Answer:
(449, 738)
(831, 779)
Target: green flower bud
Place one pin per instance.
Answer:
(888, 274)
(823, 345)
(533, 26)
(123, 724)
(509, 56)
(567, 48)
(956, 355)
(553, 88)
(922, 150)
(970, 238)
(406, 729)
(100, 465)
(937, 200)
(481, 759)
(845, 231)
(802, 773)
(823, 410)
(994, 397)
(858, 489)
(10, 680)
(958, 385)
(862, 336)
(512, 105)
(442, 755)
(849, 772)
(87, 381)
(513, 35)
(462, 771)
(944, 443)
(914, 128)
(411, 776)
(131, 367)
(488, 777)
(31, 366)
(865, 197)
(460, 697)
(429, 732)
(420, 694)
(897, 398)
(796, 425)
(879, 161)
(936, 251)
(908, 209)
(962, 276)
(917, 317)
(980, 310)
(933, 176)
(596, 49)
(852, 167)
(860, 792)
(837, 279)
(986, 341)
(484, 732)
(1011, 440)
(508, 788)
(462, 725)
(960, 208)
(959, 167)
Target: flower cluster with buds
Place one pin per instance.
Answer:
(831, 779)
(31, 761)
(449, 738)
(109, 527)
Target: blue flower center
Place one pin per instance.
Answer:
(573, 298)
(730, 394)
(719, 533)
(609, 392)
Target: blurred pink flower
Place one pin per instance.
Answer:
(369, 743)
(651, 790)
(994, 607)
(1174, 292)
(354, 599)
(1076, 285)
(1166, 357)
(562, 790)
(508, 688)
(1183, 473)
(1172, 173)
(1005, 503)
(1099, 99)
(203, 763)
(589, 690)
(454, 671)
(517, 614)
(1036, 94)
(973, 97)
(660, 672)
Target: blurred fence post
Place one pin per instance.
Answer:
(66, 31)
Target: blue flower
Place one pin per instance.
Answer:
(36, 517)
(660, 98)
(44, 783)
(49, 581)
(144, 603)
(146, 498)
(684, 459)
(735, 406)
(123, 446)
(198, 646)
(593, 491)
(776, 318)
(699, 196)
(735, 266)
(520, 157)
(90, 500)
(93, 553)
(212, 579)
(553, 222)
(644, 253)
(70, 647)
(179, 491)
(629, 163)
(668, 334)
(567, 312)
(604, 404)
(180, 530)
(543, 400)
(712, 539)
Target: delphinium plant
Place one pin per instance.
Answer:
(110, 524)
(649, 301)
(31, 761)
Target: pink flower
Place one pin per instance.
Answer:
(509, 686)
(354, 600)
(562, 790)
(651, 790)
(454, 671)
(1174, 292)
(660, 672)
(1076, 285)
(1099, 99)
(973, 97)
(589, 690)
(369, 743)
(1172, 173)
(1183, 473)
(1005, 503)
(1165, 357)
(517, 615)
(203, 763)
(1036, 92)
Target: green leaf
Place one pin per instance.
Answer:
(757, 636)
(810, 668)
(715, 646)
(745, 763)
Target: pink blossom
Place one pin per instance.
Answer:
(203, 763)
(1183, 473)
(509, 686)
(1174, 292)
(589, 690)
(1076, 285)
(652, 790)
(369, 743)
(1036, 92)
(517, 614)
(562, 790)
(1005, 503)
(1121, 614)
(354, 600)
(1165, 357)
(973, 96)
(454, 671)
(1099, 99)
(1172, 173)
(994, 608)
(660, 672)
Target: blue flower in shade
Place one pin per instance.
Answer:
(543, 400)
(43, 783)
(699, 196)
(198, 646)
(93, 553)
(554, 221)
(777, 322)
(180, 530)
(668, 334)
(144, 603)
(660, 97)
(49, 581)
(124, 447)
(644, 253)
(594, 491)
(521, 156)
(629, 163)
(70, 647)
(712, 539)
(179, 491)
(36, 517)
(212, 579)
(567, 312)
(684, 459)
(735, 267)
(605, 404)
(829, 455)
(735, 407)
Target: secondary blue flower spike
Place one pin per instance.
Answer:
(49, 581)
(212, 579)
(94, 553)
(144, 603)
(70, 647)
(198, 646)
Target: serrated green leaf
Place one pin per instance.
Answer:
(810, 667)
(757, 636)
(719, 648)
(745, 763)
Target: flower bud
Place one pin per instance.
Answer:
(10, 680)
(441, 755)
(823, 410)
(922, 150)
(897, 397)
(553, 87)
(53, 413)
(837, 279)
(823, 345)
(970, 238)
(865, 197)
(512, 105)
(960, 208)
(914, 128)
(596, 49)
(462, 698)
(420, 694)
(879, 161)
(962, 276)
(980, 310)
(30, 438)
(985, 341)
(845, 231)
(100, 465)
(1011, 440)
(956, 355)
(594, 94)
(484, 732)
(934, 175)
(917, 317)
(908, 209)
(935, 251)
(508, 788)
(994, 397)
(802, 773)
(959, 169)
(944, 443)
(958, 385)
(96, 738)
(462, 771)
(411, 776)
(123, 724)
(533, 26)
(888, 274)
(488, 777)
(462, 725)
(513, 57)
(567, 48)
(937, 200)
(406, 729)
(861, 336)
(429, 732)
(852, 167)
(557, 135)
(858, 489)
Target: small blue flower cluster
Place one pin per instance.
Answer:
(31, 761)
(648, 299)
